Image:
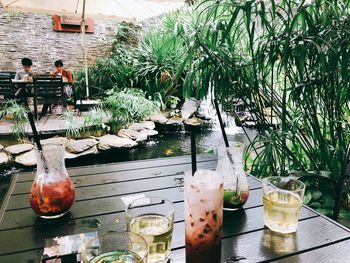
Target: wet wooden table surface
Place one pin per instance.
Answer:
(99, 207)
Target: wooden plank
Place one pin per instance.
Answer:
(26, 217)
(23, 257)
(263, 245)
(33, 237)
(125, 166)
(7, 197)
(110, 189)
(120, 176)
(335, 253)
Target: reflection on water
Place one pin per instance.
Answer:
(279, 243)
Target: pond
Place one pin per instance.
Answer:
(163, 145)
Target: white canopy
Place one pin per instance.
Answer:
(127, 10)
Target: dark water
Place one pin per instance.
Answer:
(163, 145)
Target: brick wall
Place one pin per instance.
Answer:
(32, 35)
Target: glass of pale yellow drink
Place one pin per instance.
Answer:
(282, 199)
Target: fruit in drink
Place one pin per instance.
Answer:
(281, 211)
(118, 256)
(234, 200)
(157, 230)
(52, 199)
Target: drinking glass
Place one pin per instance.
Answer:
(153, 219)
(204, 194)
(116, 247)
(282, 198)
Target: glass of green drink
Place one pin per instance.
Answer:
(153, 219)
(116, 247)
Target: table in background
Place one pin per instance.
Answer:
(98, 207)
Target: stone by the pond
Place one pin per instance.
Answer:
(56, 140)
(149, 125)
(177, 121)
(26, 159)
(136, 126)
(189, 108)
(4, 158)
(151, 133)
(112, 141)
(193, 121)
(159, 117)
(80, 146)
(143, 136)
(128, 133)
(92, 150)
(1, 147)
(19, 148)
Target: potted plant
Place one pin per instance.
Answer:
(172, 101)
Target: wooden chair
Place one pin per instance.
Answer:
(7, 90)
(50, 89)
(10, 74)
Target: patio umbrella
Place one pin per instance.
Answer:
(119, 10)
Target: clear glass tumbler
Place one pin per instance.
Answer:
(121, 247)
(282, 198)
(204, 194)
(153, 219)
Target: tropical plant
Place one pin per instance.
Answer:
(156, 61)
(18, 113)
(292, 56)
(127, 106)
(116, 69)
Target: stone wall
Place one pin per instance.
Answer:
(32, 35)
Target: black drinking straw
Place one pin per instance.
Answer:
(35, 133)
(221, 123)
(193, 151)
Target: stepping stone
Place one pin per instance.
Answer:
(19, 148)
(80, 146)
(112, 141)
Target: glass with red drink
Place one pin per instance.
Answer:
(204, 194)
(52, 193)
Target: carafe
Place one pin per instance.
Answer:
(231, 167)
(52, 193)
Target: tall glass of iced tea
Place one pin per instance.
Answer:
(52, 193)
(204, 194)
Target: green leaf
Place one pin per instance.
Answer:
(307, 198)
(316, 195)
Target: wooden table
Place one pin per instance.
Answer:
(98, 207)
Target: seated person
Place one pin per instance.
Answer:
(26, 74)
(60, 71)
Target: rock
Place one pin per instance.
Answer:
(175, 121)
(189, 108)
(19, 148)
(1, 148)
(4, 158)
(143, 136)
(80, 146)
(149, 125)
(128, 133)
(55, 140)
(151, 132)
(193, 122)
(92, 150)
(159, 117)
(136, 126)
(112, 141)
(26, 159)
